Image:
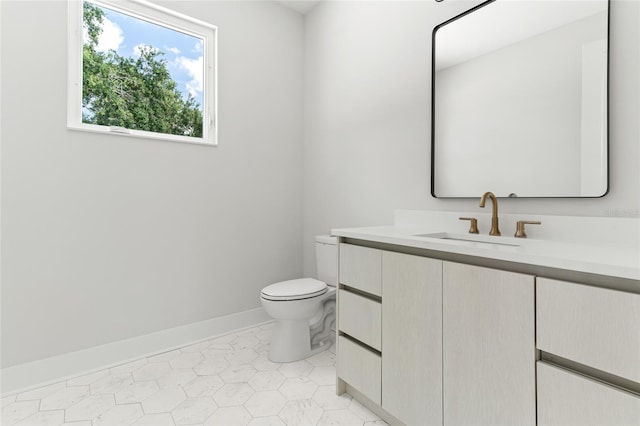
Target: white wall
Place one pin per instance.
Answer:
(367, 116)
(106, 238)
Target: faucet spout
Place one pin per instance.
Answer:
(495, 230)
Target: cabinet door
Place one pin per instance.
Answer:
(412, 338)
(488, 346)
(565, 398)
(594, 326)
(361, 268)
(359, 367)
(360, 318)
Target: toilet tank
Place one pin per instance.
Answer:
(327, 259)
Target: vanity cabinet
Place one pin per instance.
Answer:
(400, 368)
(489, 346)
(480, 330)
(359, 360)
(457, 341)
(589, 338)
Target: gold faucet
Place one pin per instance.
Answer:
(520, 227)
(495, 230)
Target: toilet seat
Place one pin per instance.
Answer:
(303, 288)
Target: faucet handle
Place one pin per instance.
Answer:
(520, 227)
(473, 228)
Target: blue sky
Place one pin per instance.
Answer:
(183, 52)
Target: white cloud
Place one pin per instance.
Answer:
(136, 49)
(111, 36)
(199, 46)
(195, 69)
(173, 50)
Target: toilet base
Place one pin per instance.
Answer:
(291, 341)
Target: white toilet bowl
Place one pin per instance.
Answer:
(303, 309)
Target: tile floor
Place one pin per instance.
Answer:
(224, 381)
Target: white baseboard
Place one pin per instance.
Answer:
(26, 376)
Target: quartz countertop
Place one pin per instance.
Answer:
(602, 259)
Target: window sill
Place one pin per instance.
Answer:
(120, 131)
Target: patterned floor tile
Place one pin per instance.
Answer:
(301, 412)
(203, 386)
(322, 376)
(340, 417)
(44, 418)
(296, 369)
(265, 403)
(176, 377)
(216, 350)
(266, 421)
(163, 419)
(211, 366)
(136, 392)
(241, 356)
(112, 383)
(226, 416)
(362, 411)
(19, 410)
(262, 363)
(163, 401)
(238, 373)
(228, 380)
(298, 388)
(267, 380)
(325, 358)
(89, 408)
(233, 394)
(193, 411)
(6, 400)
(151, 371)
(119, 415)
(64, 398)
(327, 399)
(40, 393)
(186, 360)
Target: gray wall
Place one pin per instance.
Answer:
(367, 117)
(106, 238)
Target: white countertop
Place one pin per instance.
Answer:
(622, 261)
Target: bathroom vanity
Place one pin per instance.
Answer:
(440, 330)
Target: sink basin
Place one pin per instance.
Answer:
(474, 238)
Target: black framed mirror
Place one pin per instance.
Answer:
(520, 100)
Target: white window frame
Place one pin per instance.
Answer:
(150, 12)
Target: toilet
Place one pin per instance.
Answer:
(304, 308)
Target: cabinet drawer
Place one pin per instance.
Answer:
(593, 326)
(360, 367)
(361, 268)
(360, 318)
(565, 398)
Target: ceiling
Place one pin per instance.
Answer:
(301, 6)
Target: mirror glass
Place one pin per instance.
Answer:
(519, 100)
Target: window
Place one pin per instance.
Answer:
(139, 69)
